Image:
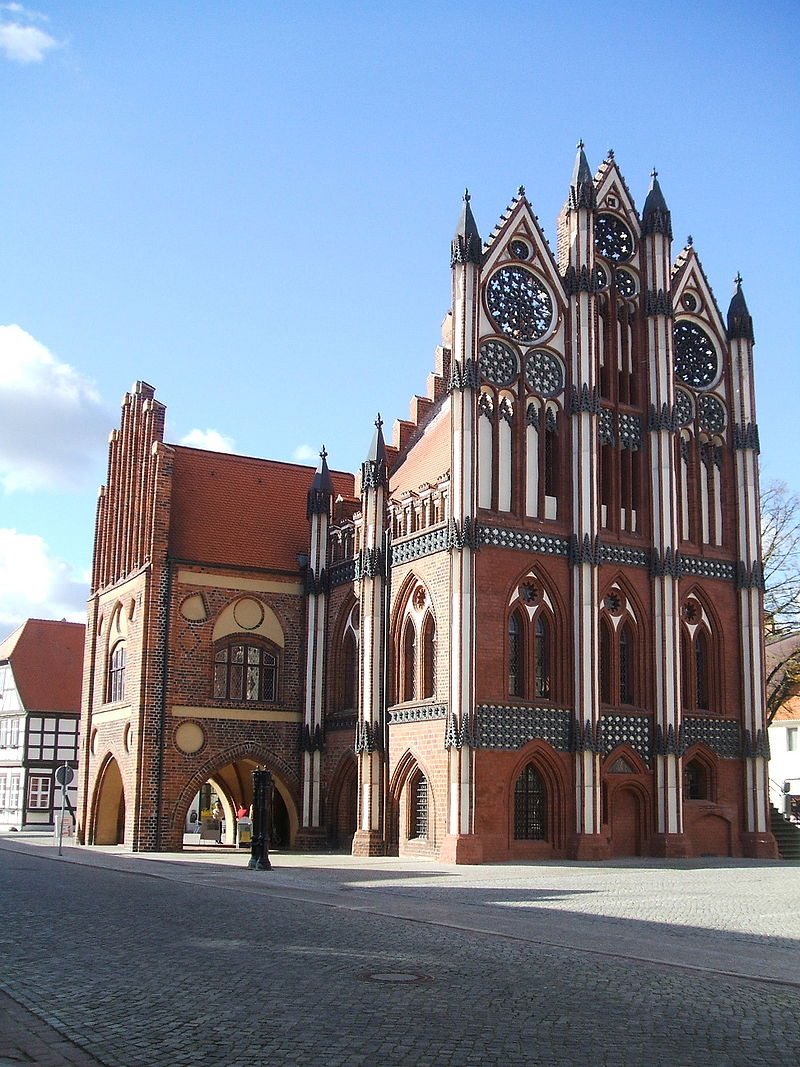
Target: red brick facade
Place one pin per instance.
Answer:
(530, 630)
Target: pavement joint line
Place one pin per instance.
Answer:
(170, 871)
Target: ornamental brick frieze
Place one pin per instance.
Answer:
(456, 736)
(368, 563)
(707, 568)
(368, 738)
(346, 722)
(342, 573)
(522, 541)
(585, 399)
(464, 376)
(624, 555)
(585, 551)
(505, 726)
(632, 730)
(422, 713)
(659, 303)
(746, 436)
(311, 740)
(749, 577)
(720, 735)
(425, 544)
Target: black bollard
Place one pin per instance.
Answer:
(263, 788)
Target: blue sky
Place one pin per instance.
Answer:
(249, 205)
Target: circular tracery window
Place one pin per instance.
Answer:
(519, 303)
(696, 361)
(712, 414)
(613, 238)
(625, 283)
(498, 362)
(543, 373)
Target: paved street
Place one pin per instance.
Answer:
(161, 961)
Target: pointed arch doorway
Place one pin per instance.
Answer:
(109, 812)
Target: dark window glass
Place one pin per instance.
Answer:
(349, 672)
(701, 669)
(530, 806)
(429, 658)
(542, 650)
(409, 662)
(419, 813)
(245, 672)
(605, 663)
(515, 656)
(695, 781)
(625, 666)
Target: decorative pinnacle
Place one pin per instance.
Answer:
(654, 173)
(737, 281)
(580, 144)
(323, 453)
(467, 197)
(378, 422)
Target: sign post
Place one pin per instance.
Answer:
(64, 776)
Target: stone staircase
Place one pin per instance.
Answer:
(786, 833)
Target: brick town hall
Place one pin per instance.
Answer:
(528, 628)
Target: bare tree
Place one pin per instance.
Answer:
(780, 554)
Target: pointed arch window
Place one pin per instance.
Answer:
(696, 783)
(605, 663)
(530, 806)
(541, 640)
(419, 807)
(116, 673)
(349, 671)
(428, 658)
(409, 661)
(701, 671)
(516, 655)
(617, 659)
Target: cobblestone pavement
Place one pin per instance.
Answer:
(165, 961)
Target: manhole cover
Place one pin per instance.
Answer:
(397, 976)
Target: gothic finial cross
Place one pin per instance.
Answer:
(323, 453)
(737, 281)
(654, 173)
(690, 241)
(521, 190)
(579, 144)
(611, 153)
(378, 422)
(467, 197)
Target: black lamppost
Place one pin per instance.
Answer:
(263, 788)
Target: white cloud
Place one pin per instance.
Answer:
(304, 453)
(21, 42)
(53, 426)
(212, 440)
(36, 584)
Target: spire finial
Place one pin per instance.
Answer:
(467, 197)
(610, 154)
(323, 453)
(521, 190)
(378, 422)
(737, 281)
(689, 241)
(654, 173)
(580, 144)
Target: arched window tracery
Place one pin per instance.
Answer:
(530, 806)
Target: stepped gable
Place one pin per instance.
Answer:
(47, 660)
(427, 464)
(238, 511)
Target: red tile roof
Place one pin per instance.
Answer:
(427, 459)
(238, 511)
(47, 660)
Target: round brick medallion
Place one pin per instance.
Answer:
(249, 613)
(189, 738)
